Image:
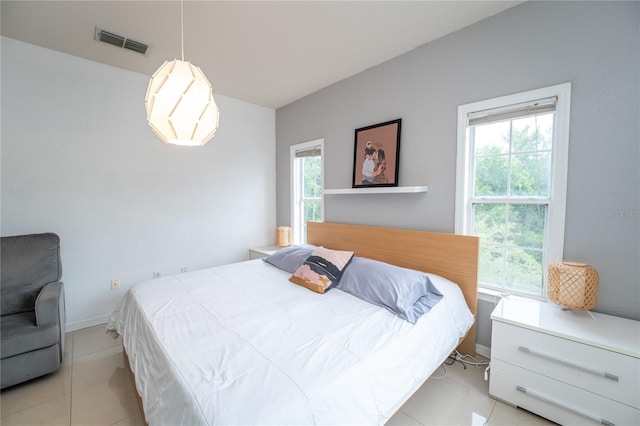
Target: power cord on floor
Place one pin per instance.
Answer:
(470, 360)
(453, 358)
(443, 374)
(464, 360)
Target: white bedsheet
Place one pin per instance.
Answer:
(240, 344)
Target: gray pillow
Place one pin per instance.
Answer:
(407, 293)
(290, 258)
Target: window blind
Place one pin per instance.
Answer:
(309, 152)
(511, 111)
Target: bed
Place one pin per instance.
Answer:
(241, 344)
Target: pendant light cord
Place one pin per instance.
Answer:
(182, 26)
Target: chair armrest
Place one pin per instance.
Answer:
(50, 308)
(48, 303)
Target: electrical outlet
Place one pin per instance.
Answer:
(115, 284)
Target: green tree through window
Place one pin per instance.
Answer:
(511, 185)
(511, 189)
(312, 181)
(307, 186)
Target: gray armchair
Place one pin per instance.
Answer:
(32, 313)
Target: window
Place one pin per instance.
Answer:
(511, 185)
(307, 170)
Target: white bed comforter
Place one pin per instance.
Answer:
(240, 344)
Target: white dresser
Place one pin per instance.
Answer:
(565, 365)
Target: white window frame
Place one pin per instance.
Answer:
(297, 214)
(554, 232)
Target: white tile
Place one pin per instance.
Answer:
(505, 415)
(55, 411)
(37, 391)
(448, 402)
(402, 419)
(105, 403)
(93, 339)
(135, 420)
(469, 375)
(101, 366)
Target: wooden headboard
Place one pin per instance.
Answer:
(452, 256)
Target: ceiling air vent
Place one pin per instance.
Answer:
(121, 41)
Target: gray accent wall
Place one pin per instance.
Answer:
(593, 45)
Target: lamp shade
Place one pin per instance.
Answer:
(180, 106)
(283, 236)
(573, 285)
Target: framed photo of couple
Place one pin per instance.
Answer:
(376, 155)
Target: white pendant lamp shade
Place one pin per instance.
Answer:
(180, 105)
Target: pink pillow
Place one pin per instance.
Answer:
(322, 269)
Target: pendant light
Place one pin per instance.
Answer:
(179, 102)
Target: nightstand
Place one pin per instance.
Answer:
(565, 365)
(264, 251)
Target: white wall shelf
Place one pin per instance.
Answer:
(380, 190)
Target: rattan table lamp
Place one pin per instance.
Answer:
(573, 285)
(283, 236)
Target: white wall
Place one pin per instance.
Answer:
(79, 159)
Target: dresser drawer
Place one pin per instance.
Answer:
(557, 401)
(610, 374)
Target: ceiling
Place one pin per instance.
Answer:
(269, 53)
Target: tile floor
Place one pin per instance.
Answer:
(93, 388)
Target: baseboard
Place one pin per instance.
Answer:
(79, 325)
(485, 351)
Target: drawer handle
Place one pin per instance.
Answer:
(563, 405)
(569, 363)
